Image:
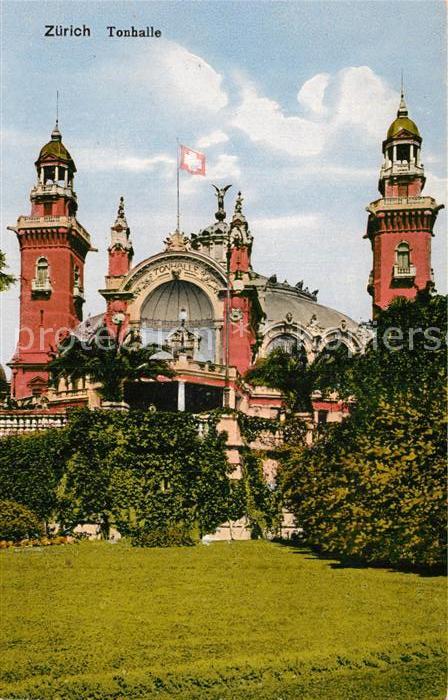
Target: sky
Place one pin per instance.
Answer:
(289, 101)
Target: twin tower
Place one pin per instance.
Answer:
(54, 245)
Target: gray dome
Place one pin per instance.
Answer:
(165, 303)
(281, 301)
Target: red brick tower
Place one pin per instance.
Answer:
(401, 223)
(53, 247)
(241, 331)
(120, 259)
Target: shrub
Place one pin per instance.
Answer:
(373, 488)
(31, 466)
(175, 536)
(18, 522)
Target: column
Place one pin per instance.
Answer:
(56, 173)
(394, 154)
(66, 177)
(411, 159)
(218, 343)
(181, 396)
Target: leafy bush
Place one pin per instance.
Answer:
(373, 488)
(31, 467)
(145, 471)
(18, 521)
(175, 536)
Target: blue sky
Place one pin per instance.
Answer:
(289, 101)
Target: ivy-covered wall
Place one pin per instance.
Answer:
(141, 472)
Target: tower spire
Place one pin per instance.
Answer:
(402, 108)
(56, 134)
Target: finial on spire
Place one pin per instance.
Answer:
(402, 109)
(239, 204)
(56, 134)
(238, 216)
(121, 217)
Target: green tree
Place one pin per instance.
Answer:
(295, 376)
(31, 467)
(108, 362)
(373, 487)
(5, 280)
(146, 471)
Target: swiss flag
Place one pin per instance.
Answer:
(193, 161)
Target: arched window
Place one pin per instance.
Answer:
(403, 256)
(76, 277)
(287, 342)
(42, 272)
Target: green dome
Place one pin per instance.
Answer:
(401, 123)
(56, 149)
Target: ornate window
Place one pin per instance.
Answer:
(41, 283)
(286, 342)
(403, 267)
(77, 286)
(402, 254)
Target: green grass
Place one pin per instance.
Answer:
(249, 620)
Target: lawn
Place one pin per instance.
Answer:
(249, 620)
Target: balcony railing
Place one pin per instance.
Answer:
(404, 272)
(78, 292)
(41, 286)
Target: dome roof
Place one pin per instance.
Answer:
(304, 312)
(401, 123)
(167, 301)
(56, 149)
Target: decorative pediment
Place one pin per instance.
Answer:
(404, 134)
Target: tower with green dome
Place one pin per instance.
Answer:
(400, 225)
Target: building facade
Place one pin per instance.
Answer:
(199, 299)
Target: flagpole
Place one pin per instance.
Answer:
(177, 181)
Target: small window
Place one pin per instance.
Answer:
(42, 271)
(403, 256)
(76, 278)
(48, 208)
(322, 417)
(402, 190)
(403, 153)
(286, 342)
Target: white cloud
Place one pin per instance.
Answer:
(286, 224)
(225, 167)
(354, 98)
(104, 159)
(174, 74)
(311, 94)
(264, 122)
(363, 100)
(212, 139)
(436, 187)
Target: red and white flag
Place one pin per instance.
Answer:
(193, 161)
